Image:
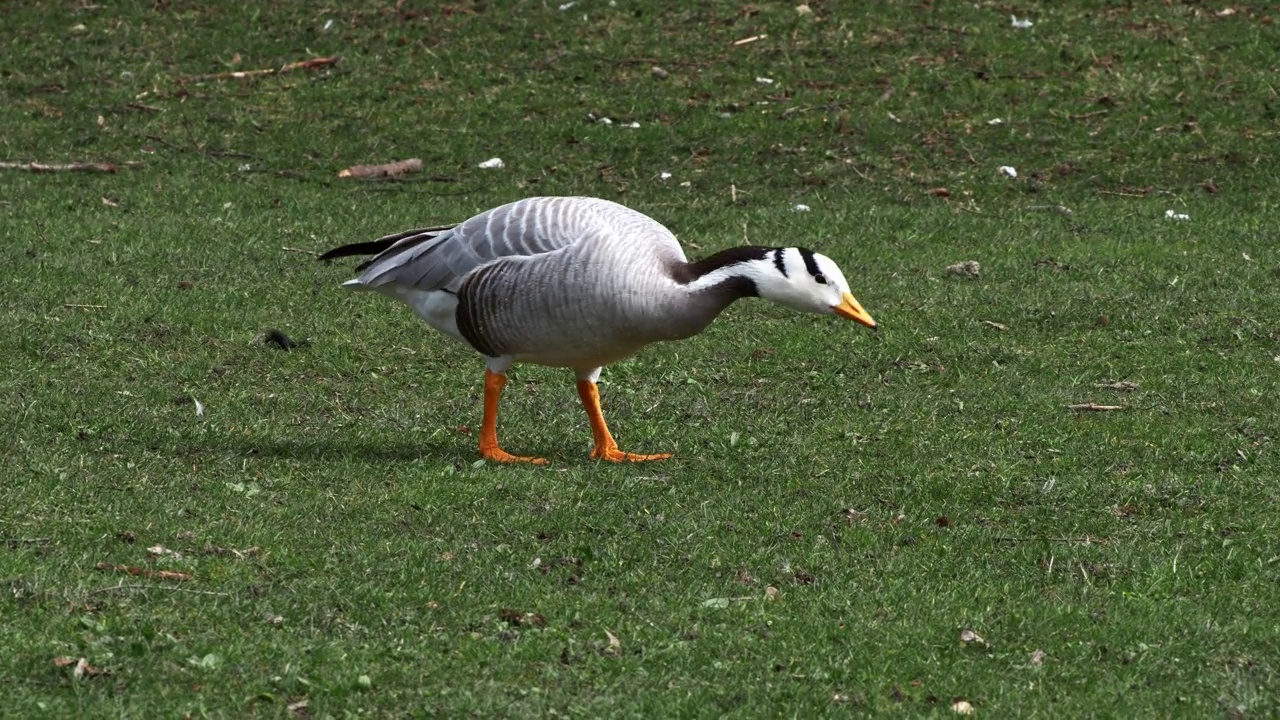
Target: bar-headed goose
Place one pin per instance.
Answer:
(579, 283)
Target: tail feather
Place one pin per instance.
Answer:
(382, 244)
(364, 248)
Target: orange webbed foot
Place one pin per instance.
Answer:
(502, 456)
(613, 454)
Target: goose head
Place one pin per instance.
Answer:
(806, 281)
(796, 277)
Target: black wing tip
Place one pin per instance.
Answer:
(382, 244)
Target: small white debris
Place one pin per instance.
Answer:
(327, 25)
(537, 563)
(804, 9)
(801, 207)
(659, 73)
(969, 637)
(962, 707)
(995, 121)
(1020, 24)
(567, 6)
(970, 269)
(1226, 12)
(1176, 215)
(492, 164)
(664, 176)
(633, 125)
(1246, 257)
(686, 183)
(162, 551)
(199, 408)
(1007, 170)
(764, 80)
(615, 645)
(726, 115)
(894, 118)
(1037, 657)
(605, 121)
(244, 168)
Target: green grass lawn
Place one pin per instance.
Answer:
(842, 506)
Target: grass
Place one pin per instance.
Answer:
(894, 489)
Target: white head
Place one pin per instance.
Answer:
(806, 281)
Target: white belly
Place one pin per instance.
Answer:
(437, 307)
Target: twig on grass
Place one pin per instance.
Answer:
(20, 541)
(67, 167)
(1061, 209)
(79, 306)
(1095, 407)
(751, 39)
(166, 588)
(1084, 539)
(243, 74)
(304, 251)
(144, 572)
(391, 169)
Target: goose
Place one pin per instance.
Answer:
(579, 283)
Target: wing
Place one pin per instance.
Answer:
(440, 258)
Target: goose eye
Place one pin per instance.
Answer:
(820, 279)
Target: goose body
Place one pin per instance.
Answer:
(579, 283)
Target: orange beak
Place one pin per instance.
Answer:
(849, 308)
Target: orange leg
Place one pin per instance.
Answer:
(489, 450)
(606, 447)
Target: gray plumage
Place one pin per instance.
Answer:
(564, 281)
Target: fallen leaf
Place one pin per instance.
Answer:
(970, 637)
(999, 326)
(615, 645)
(80, 668)
(275, 337)
(962, 707)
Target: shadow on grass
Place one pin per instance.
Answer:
(339, 448)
